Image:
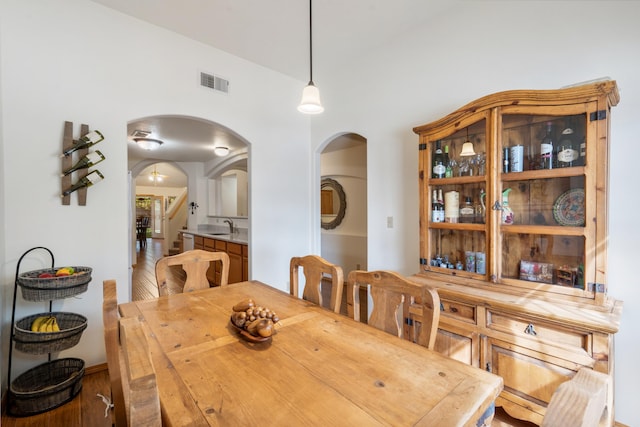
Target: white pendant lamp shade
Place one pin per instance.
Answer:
(467, 149)
(310, 103)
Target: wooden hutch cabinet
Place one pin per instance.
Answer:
(514, 235)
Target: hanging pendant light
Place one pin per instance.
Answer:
(467, 147)
(310, 103)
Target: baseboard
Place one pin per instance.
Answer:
(95, 369)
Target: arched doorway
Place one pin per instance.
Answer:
(196, 148)
(343, 239)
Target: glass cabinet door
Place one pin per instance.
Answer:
(541, 200)
(457, 183)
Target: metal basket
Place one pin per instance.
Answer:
(36, 288)
(71, 327)
(45, 387)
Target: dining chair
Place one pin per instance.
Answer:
(195, 264)
(579, 402)
(400, 307)
(142, 225)
(316, 269)
(134, 392)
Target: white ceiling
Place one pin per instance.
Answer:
(274, 34)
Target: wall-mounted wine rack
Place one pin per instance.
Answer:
(66, 181)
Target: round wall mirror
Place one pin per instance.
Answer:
(333, 203)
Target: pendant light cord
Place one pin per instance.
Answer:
(310, 45)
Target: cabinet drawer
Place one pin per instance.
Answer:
(209, 244)
(198, 240)
(220, 245)
(245, 251)
(458, 310)
(234, 248)
(455, 346)
(530, 378)
(545, 332)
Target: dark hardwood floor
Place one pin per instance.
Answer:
(87, 409)
(143, 283)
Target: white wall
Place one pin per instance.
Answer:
(477, 49)
(78, 61)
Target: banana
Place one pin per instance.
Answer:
(54, 325)
(46, 325)
(35, 325)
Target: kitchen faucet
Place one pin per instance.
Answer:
(230, 222)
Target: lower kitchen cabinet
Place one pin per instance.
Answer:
(234, 250)
(238, 261)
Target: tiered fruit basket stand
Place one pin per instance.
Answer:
(55, 382)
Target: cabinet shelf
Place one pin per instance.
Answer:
(457, 180)
(543, 174)
(457, 226)
(551, 230)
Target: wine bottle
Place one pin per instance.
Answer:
(86, 162)
(567, 154)
(86, 181)
(582, 154)
(546, 148)
(439, 168)
(505, 160)
(90, 139)
(435, 215)
(448, 171)
(440, 206)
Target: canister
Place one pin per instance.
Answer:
(451, 206)
(517, 157)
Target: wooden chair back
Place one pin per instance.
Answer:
(195, 264)
(315, 269)
(400, 307)
(144, 402)
(134, 392)
(110, 321)
(579, 402)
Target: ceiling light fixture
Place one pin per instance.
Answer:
(221, 151)
(155, 176)
(310, 103)
(148, 143)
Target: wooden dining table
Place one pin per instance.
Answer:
(318, 369)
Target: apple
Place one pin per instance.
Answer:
(45, 275)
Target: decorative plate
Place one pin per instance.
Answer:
(246, 335)
(568, 209)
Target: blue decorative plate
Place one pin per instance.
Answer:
(568, 209)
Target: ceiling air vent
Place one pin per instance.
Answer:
(140, 133)
(214, 82)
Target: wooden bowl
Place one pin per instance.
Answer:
(246, 335)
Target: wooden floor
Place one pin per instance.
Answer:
(88, 409)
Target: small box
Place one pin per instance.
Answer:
(536, 271)
(567, 276)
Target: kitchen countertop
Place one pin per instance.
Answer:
(240, 238)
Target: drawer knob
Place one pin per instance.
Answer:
(530, 329)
